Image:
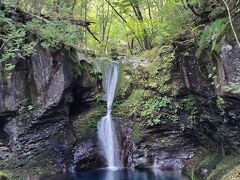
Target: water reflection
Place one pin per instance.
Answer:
(132, 174)
(126, 174)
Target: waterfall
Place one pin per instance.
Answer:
(106, 131)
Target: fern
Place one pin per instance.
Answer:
(211, 35)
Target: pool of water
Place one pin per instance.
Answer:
(124, 174)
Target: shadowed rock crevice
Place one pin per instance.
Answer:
(4, 137)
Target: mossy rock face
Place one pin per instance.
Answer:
(124, 79)
(138, 84)
(85, 125)
(224, 166)
(213, 165)
(101, 63)
(233, 174)
(156, 75)
(132, 105)
(4, 176)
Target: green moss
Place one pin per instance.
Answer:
(157, 74)
(85, 125)
(192, 175)
(27, 173)
(233, 174)
(210, 160)
(220, 101)
(124, 80)
(191, 106)
(218, 166)
(211, 36)
(153, 109)
(203, 159)
(133, 105)
(224, 166)
(137, 131)
(32, 168)
(160, 109)
(76, 64)
(3, 176)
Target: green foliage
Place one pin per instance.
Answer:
(85, 124)
(190, 104)
(192, 174)
(9, 67)
(211, 35)
(232, 174)
(157, 75)
(4, 176)
(145, 105)
(117, 25)
(226, 164)
(234, 87)
(220, 101)
(55, 32)
(12, 42)
(172, 20)
(162, 108)
(133, 104)
(15, 37)
(161, 20)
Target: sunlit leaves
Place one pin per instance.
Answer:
(162, 19)
(55, 32)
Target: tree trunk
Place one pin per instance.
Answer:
(137, 11)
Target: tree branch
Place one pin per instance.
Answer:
(231, 22)
(192, 9)
(116, 11)
(87, 28)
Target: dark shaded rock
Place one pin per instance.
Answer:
(11, 90)
(36, 98)
(164, 147)
(126, 142)
(228, 68)
(193, 70)
(87, 156)
(210, 80)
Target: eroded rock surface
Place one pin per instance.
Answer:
(35, 104)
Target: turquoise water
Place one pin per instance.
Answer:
(124, 174)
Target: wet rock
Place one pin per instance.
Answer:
(36, 99)
(125, 140)
(11, 90)
(87, 156)
(228, 65)
(164, 148)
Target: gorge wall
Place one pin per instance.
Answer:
(48, 110)
(176, 108)
(37, 100)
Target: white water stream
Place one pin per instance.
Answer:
(106, 131)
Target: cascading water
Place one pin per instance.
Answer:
(106, 131)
